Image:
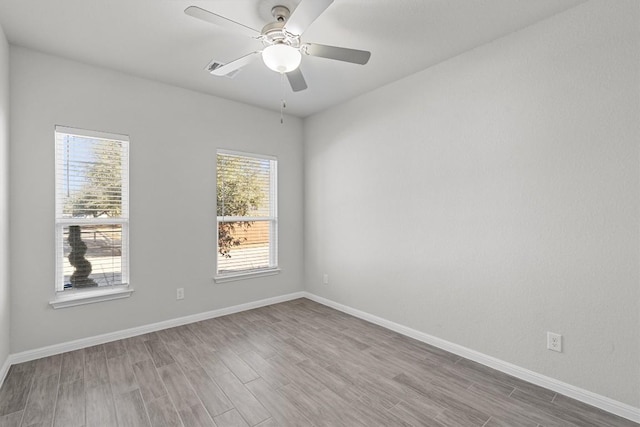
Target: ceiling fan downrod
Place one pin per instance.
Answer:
(280, 13)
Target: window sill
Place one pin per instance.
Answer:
(74, 298)
(246, 275)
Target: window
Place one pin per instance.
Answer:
(247, 217)
(92, 216)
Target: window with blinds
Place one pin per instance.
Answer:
(92, 209)
(247, 218)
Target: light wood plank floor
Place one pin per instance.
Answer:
(292, 364)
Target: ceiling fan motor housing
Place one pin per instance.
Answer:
(274, 33)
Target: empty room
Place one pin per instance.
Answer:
(319, 213)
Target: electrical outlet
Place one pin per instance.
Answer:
(325, 279)
(554, 342)
(180, 293)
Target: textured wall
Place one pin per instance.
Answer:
(495, 197)
(174, 137)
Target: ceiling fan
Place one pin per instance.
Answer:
(283, 47)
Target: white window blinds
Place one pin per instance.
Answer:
(246, 212)
(92, 208)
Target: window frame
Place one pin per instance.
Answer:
(273, 267)
(73, 297)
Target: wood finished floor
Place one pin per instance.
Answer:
(292, 364)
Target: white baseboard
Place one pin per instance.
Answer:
(38, 353)
(606, 404)
(4, 370)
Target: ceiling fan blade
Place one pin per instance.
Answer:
(229, 67)
(221, 21)
(304, 15)
(296, 80)
(338, 53)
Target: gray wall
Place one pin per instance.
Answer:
(4, 199)
(495, 197)
(174, 136)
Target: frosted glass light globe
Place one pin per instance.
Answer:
(281, 58)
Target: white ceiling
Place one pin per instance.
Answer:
(154, 39)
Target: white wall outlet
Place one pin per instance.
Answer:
(325, 279)
(180, 293)
(554, 342)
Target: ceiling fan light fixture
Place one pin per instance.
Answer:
(281, 58)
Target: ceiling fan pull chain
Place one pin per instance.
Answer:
(283, 103)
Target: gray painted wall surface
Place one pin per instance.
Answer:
(495, 197)
(5, 302)
(174, 136)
